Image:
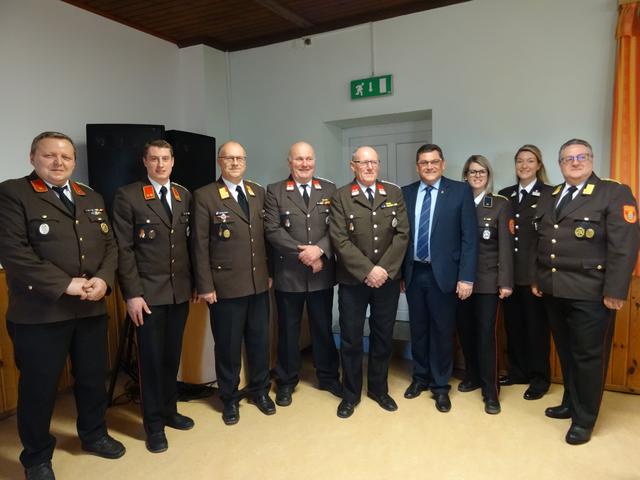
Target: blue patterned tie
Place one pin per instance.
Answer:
(422, 252)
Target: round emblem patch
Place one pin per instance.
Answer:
(43, 229)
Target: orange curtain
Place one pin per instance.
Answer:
(625, 135)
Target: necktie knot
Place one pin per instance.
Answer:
(370, 195)
(242, 200)
(64, 199)
(163, 191)
(305, 194)
(165, 203)
(568, 196)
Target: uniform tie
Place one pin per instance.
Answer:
(370, 195)
(64, 199)
(242, 200)
(523, 192)
(422, 250)
(305, 195)
(565, 200)
(165, 203)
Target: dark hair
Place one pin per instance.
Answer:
(429, 147)
(158, 144)
(58, 135)
(574, 141)
(541, 174)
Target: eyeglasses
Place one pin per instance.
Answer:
(231, 159)
(583, 157)
(429, 163)
(366, 162)
(477, 173)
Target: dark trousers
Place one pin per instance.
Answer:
(40, 352)
(352, 302)
(432, 321)
(325, 354)
(159, 342)
(476, 319)
(528, 339)
(582, 331)
(232, 320)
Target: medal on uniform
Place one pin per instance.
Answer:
(188, 232)
(142, 233)
(394, 222)
(486, 234)
(589, 233)
(152, 234)
(287, 220)
(104, 227)
(43, 229)
(579, 232)
(351, 227)
(326, 220)
(226, 233)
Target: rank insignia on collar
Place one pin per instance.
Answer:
(149, 192)
(38, 185)
(249, 190)
(381, 189)
(224, 192)
(588, 189)
(535, 193)
(487, 202)
(317, 185)
(77, 189)
(557, 190)
(629, 213)
(176, 194)
(355, 190)
(290, 186)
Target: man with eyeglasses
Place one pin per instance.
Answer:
(439, 268)
(586, 248)
(231, 275)
(368, 227)
(297, 228)
(151, 224)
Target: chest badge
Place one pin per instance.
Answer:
(579, 232)
(43, 229)
(104, 227)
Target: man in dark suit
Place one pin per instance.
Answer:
(297, 228)
(151, 224)
(586, 248)
(439, 266)
(60, 257)
(231, 274)
(368, 227)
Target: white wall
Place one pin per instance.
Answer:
(63, 67)
(495, 73)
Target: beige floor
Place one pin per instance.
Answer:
(307, 441)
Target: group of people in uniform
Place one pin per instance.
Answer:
(560, 258)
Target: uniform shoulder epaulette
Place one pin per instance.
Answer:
(611, 180)
(500, 196)
(389, 183)
(83, 185)
(178, 185)
(324, 180)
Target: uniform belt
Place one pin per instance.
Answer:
(421, 263)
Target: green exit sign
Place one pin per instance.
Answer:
(371, 87)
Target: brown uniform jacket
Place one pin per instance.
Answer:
(289, 223)
(153, 253)
(228, 250)
(524, 214)
(364, 236)
(42, 247)
(589, 251)
(495, 245)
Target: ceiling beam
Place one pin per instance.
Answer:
(285, 13)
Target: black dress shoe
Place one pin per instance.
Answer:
(231, 413)
(560, 412)
(531, 394)
(43, 471)
(443, 404)
(179, 422)
(505, 380)
(578, 435)
(384, 400)
(105, 447)
(492, 406)
(283, 396)
(468, 386)
(157, 442)
(414, 390)
(265, 404)
(333, 388)
(345, 409)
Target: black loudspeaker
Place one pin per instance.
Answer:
(114, 155)
(195, 158)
